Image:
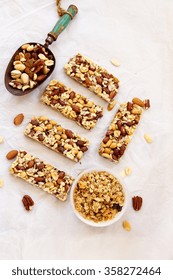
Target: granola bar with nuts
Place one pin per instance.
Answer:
(120, 131)
(42, 175)
(57, 138)
(92, 76)
(98, 196)
(72, 105)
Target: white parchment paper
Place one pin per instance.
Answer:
(140, 35)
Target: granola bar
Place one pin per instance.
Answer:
(120, 131)
(71, 104)
(57, 138)
(42, 175)
(92, 76)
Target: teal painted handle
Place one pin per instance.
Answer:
(61, 24)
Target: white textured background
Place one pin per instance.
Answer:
(139, 34)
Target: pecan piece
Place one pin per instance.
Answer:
(147, 104)
(27, 202)
(137, 203)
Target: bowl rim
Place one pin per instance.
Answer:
(117, 216)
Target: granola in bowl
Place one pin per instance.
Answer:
(98, 198)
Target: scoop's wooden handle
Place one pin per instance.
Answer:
(61, 24)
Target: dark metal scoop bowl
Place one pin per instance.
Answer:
(52, 36)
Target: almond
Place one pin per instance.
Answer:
(12, 154)
(18, 119)
(138, 101)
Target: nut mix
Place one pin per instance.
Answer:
(72, 105)
(92, 76)
(98, 196)
(42, 175)
(28, 203)
(31, 66)
(57, 138)
(120, 131)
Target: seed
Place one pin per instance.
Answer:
(1, 183)
(40, 137)
(30, 48)
(25, 46)
(148, 138)
(12, 154)
(147, 104)
(19, 67)
(15, 74)
(25, 79)
(111, 105)
(80, 143)
(84, 149)
(57, 136)
(42, 56)
(1, 139)
(112, 94)
(53, 82)
(115, 62)
(18, 119)
(61, 174)
(49, 126)
(49, 62)
(106, 139)
(45, 69)
(25, 87)
(138, 102)
(67, 147)
(75, 108)
(127, 226)
(129, 106)
(69, 133)
(72, 95)
(79, 155)
(31, 163)
(123, 131)
(38, 128)
(128, 171)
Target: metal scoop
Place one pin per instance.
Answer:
(40, 51)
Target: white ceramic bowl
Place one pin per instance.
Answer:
(90, 222)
